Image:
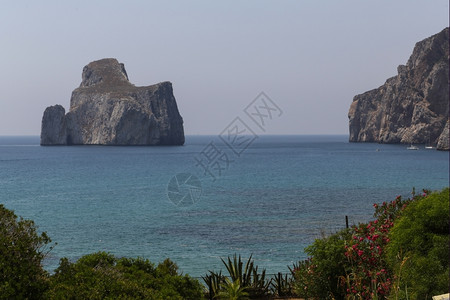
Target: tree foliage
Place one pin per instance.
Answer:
(94, 276)
(103, 276)
(419, 244)
(322, 271)
(22, 250)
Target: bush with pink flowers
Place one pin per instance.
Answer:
(368, 276)
(352, 263)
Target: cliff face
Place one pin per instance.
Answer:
(412, 107)
(108, 110)
(54, 126)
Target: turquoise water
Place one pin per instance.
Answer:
(270, 201)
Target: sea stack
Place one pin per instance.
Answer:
(106, 109)
(412, 107)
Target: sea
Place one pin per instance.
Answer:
(265, 196)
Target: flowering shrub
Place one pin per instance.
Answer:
(318, 276)
(368, 276)
(351, 264)
(306, 283)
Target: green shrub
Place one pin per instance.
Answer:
(319, 276)
(22, 250)
(94, 276)
(351, 264)
(419, 244)
(103, 276)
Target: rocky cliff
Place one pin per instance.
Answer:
(412, 107)
(108, 110)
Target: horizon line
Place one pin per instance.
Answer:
(203, 134)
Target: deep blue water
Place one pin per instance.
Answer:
(270, 201)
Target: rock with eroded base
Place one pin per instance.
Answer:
(106, 109)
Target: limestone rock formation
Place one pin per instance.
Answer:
(443, 139)
(412, 107)
(54, 126)
(106, 109)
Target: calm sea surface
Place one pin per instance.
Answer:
(271, 200)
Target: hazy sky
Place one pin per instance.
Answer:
(310, 57)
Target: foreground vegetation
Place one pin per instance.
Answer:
(401, 254)
(94, 276)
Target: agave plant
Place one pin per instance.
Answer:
(236, 271)
(282, 285)
(214, 282)
(244, 278)
(259, 287)
(248, 277)
(232, 290)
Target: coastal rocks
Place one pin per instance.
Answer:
(443, 139)
(411, 107)
(106, 109)
(53, 130)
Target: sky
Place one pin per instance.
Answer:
(310, 57)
